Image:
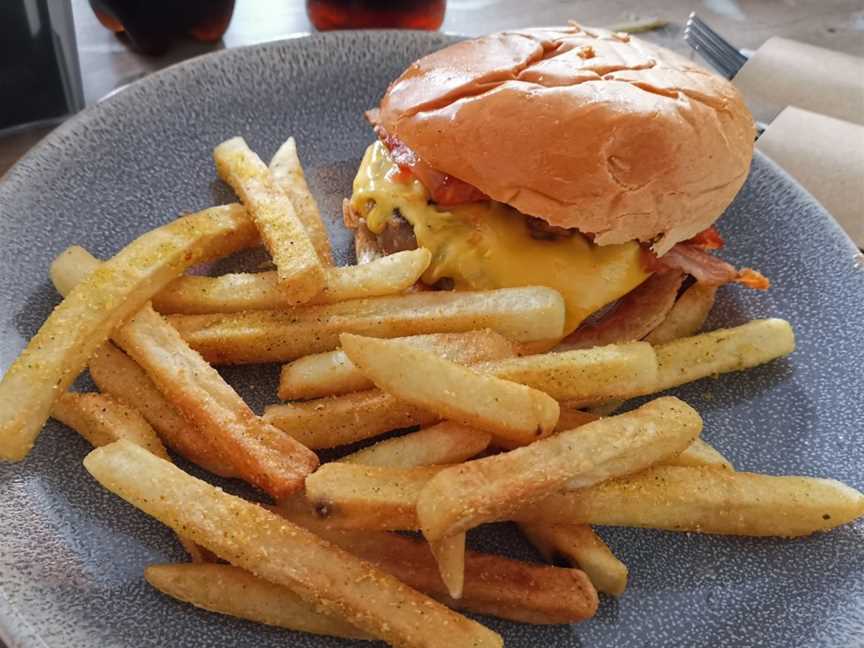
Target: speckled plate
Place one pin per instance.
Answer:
(72, 554)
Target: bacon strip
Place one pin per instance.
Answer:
(708, 269)
(634, 316)
(708, 239)
(443, 188)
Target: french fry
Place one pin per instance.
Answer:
(297, 262)
(449, 555)
(572, 418)
(700, 453)
(288, 175)
(582, 375)
(721, 351)
(421, 378)
(579, 546)
(444, 443)
(690, 359)
(258, 452)
(494, 585)
(262, 454)
(375, 497)
(252, 538)
(235, 592)
(339, 420)
(102, 419)
(494, 488)
(117, 374)
(278, 336)
(332, 372)
(706, 500)
(82, 322)
(687, 315)
(231, 293)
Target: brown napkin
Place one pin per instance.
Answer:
(787, 73)
(826, 156)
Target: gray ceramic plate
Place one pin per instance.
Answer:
(72, 555)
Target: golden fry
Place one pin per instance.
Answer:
(339, 420)
(82, 322)
(494, 585)
(297, 262)
(288, 175)
(332, 372)
(117, 374)
(707, 500)
(378, 498)
(235, 592)
(585, 374)
(493, 488)
(253, 538)
(278, 336)
(231, 293)
(444, 443)
(259, 452)
(580, 547)
(421, 378)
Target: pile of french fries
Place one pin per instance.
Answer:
(499, 433)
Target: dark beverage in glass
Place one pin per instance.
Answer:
(153, 25)
(376, 14)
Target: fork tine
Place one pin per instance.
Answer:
(697, 42)
(712, 54)
(728, 50)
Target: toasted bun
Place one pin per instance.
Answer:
(582, 127)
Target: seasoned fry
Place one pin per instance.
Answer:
(700, 453)
(421, 378)
(102, 419)
(231, 293)
(501, 587)
(332, 373)
(297, 262)
(117, 374)
(449, 554)
(634, 316)
(707, 500)
(235, 592)
(444, 443)
(493, 488)
(721, 351)
(579, 546)
(263, 455)
(331, 422)
(288, 174)
(375, 497)
(278, 336)
(253, 538)
(687, 315)
(572, 418)
(586, 374)
(82, 322)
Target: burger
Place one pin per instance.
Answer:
(570, 157)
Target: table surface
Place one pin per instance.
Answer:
(107, 64)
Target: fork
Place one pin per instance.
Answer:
(720, 53)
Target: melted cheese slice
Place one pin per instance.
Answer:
(488, 244)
